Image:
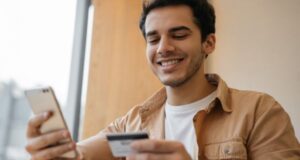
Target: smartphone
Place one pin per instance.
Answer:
(119, 143)
(42, 100)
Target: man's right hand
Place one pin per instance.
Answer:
(46, 146)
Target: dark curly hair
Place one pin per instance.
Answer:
(203, 11)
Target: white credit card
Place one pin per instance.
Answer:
(120, 142)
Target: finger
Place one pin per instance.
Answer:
(157, 146)
(147, 156)
(35, 123)
(45, 140)
(54, 152)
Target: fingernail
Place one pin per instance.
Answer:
(133, 145)
(65, 134)
(131, 156)
(71, 146)
(46, 114)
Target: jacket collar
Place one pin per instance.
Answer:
(155, 103)
(222, 91)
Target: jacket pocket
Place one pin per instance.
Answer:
(231, 149)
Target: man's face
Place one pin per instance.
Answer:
(174, 50)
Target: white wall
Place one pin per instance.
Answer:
(258, 45)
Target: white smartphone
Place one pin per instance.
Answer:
(43, 100)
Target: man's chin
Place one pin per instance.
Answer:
(173, 83)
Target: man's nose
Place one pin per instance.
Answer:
(165, 47)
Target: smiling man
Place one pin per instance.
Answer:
(196, 115)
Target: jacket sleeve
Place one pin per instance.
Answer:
(96, 147)
(272, 136)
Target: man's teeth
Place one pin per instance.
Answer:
(167, 63)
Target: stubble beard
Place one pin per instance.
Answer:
(192, 70)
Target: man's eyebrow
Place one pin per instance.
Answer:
(151, 33)
(179, 28)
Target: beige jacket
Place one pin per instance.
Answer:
(236, 125)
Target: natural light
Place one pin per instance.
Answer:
(36, 47)
(36, 38)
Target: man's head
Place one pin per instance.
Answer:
(203, 13)
(177, 40)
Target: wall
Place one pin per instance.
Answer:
(258, 49)
(119, 77)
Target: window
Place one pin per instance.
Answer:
(36, 50)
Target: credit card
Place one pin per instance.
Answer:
(119, 143)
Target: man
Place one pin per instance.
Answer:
(196, 116)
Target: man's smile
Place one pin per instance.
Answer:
(169, 64)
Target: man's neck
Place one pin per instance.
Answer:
(194, 89)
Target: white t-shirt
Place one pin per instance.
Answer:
(179, 124)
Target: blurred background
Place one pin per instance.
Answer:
(50, 43)
(37, 39)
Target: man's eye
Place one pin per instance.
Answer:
(180, 36)
(153, 41)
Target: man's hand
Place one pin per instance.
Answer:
(46, 146)
(158, 150)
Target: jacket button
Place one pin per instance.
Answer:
(226, 151)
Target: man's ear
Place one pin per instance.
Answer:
(208, 46)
